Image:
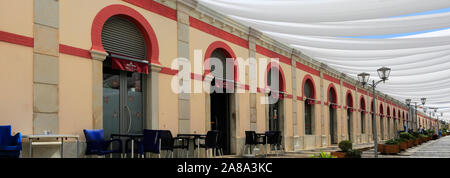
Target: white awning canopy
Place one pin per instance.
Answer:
(412, 37)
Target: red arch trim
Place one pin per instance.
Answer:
(331, 85)
(283, 79)
(133, 16)
(346, 98)
(228, 54)
(305, 79)
(362, 102)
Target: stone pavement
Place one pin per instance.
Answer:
(439, 148)
(307, 153)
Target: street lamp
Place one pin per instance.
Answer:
(408, 102)
(363, 78)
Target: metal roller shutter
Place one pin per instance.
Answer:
(123, 37)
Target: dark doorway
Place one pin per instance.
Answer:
(220, 119)
(333, 125)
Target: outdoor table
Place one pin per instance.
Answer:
(55, 136)
(132, 136)
(196, 136)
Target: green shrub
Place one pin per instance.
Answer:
(406, 136)
(392, 142)
(345, 145)
(323, 155)
(402, 140)
(423, 136)
(353, 154)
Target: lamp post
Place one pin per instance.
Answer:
(408, 102)
(363, 78)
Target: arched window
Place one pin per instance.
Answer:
(349, 114)
(332, 99)
(363, 118)
(309, 94)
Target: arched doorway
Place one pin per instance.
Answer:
(332, 99)
(124, 76)
(309, 94)
(350, 116)
(222, 102)
(388, 120)
(275, 96)
(363, 115)
(381, 122)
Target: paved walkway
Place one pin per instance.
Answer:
(439, 148)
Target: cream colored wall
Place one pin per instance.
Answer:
(16, 106)
(75, 94)
(168, 105)
(12, 22)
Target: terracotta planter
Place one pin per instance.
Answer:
(403, 145)
(410, 143)
(338, 154)
(416, 141)
(380, 148)
(391, 149)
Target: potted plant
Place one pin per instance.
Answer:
(391, 146)
(353, 154)
(323, 155)
(423, 137)
(345, 146)
(403, 144)
(407, 136)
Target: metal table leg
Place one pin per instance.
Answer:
(132, 148)
(78, 147)
(31, 148)
(62, 146)
(198, 147)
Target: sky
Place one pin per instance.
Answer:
(445, 10)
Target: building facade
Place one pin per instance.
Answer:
(71, 65)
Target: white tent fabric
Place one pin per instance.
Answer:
(355, 36)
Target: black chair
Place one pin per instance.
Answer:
(150, 143)
(97, 145)
(211, 141)
(168, 142)
(251, 138)
(273, 138)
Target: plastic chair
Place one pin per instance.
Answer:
(251, 138)
(273, 138)
(150, 143)
(211, 141)
(10, 146)
(97, 145)
(168, 142)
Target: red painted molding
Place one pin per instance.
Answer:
(331, 79)
(349, 86)
(229, 53)
(16, 39)
(134, 17)
(74, 51)
(271, 54)
(362, 102)
(307, 69)
(207, 28)
(155, 7)
(331, 86)
(309, 78)
(168, 71)
(282, 83)
(346, 98)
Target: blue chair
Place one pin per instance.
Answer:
(10, 146)
(97, 145)
(150, 143)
